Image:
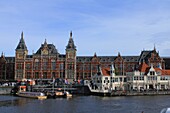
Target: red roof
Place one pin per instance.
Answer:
(144, 67)
(106, 71)
(165, 72)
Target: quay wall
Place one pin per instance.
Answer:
(4, 90)
(120, 93)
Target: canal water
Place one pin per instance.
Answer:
(85, 104)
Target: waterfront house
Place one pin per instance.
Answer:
(148, 78)
(106, 79)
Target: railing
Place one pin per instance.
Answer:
(98, 90)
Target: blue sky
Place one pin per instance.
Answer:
(102, 26)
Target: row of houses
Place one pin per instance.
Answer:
(146, 77)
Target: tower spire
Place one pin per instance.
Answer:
(71, 34)
(22, 35)
(45, 42)
(22, 44)
(70, 44)
(95, 55)
(119, 54)
(154, 48)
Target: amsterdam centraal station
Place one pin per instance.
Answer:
(48, 63)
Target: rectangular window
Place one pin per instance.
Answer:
(36, 75)
(61, 66)
(120, 79)
(116, 79)
(36, 66)
(125, 80)
(53, 65)
(45, 65)
(19, 66)
(45, 75)
(28, 66)
(28, 75)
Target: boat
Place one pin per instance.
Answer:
(67, 94)
(165, 110)
(37, 95)
(55, 94)
(59, 94)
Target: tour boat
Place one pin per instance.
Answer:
(37, 95)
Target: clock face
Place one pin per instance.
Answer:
(70, 55)
(44, 52)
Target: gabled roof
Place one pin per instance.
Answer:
(144, 55)
(51, 49)
(143, 67)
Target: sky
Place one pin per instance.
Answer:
(104, 27)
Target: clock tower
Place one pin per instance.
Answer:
(70, 62)
(20, 55)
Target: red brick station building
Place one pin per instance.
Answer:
(47, 62)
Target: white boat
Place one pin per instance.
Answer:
(37, 95)
(165, 110)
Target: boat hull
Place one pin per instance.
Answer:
(34, 95)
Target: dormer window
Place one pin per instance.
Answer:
(152, 73)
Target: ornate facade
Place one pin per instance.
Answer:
(47, 62)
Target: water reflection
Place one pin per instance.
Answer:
(13, 101)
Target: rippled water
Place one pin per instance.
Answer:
(85, 104)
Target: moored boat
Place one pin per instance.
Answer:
(59, 94)
(67, 94)
(37, 95)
